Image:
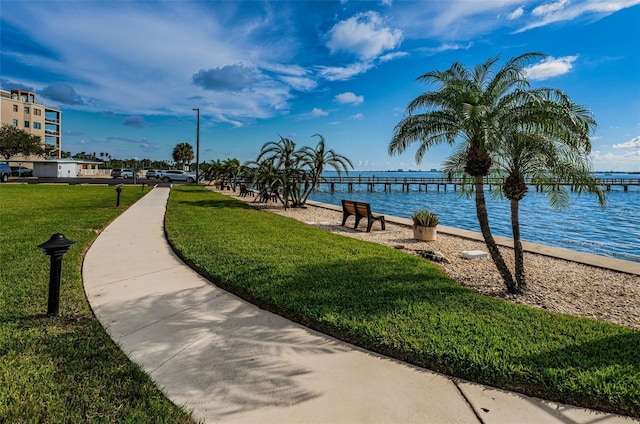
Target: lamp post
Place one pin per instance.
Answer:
(197, 109)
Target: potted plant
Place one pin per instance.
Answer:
(425, 225)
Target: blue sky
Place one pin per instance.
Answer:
(127, 74)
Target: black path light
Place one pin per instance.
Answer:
(118, 190)
(55, 247)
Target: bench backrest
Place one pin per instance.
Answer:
(359, 208)
(364, 209)
(349, 206)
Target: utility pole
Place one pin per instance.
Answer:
(197, 109)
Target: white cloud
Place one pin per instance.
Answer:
(606, 161)
(550, 67)
(335, 73)
(157, 53)
(299, 83)
(564, 10)
(516, 14)
(357, 116)
(349, 98)
(363, 35)
(633, 143)
(391, 56)
(548, 8)
(445, 47)
(315, 113)
(451, 19)
(628, 158)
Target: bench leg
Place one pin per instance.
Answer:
(372, 220)
(345, 215)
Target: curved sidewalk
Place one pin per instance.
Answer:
(230, 362)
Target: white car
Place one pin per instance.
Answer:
(122, 173)
(176, 175)
(153, 173)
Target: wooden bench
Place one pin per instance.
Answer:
(244, 191)
(360, 210)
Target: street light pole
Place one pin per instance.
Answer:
(197, 109)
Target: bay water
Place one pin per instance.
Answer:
(584, 226)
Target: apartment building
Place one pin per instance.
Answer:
(21, 109)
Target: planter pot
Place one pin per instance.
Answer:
(425, 233)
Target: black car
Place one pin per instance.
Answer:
(21, 171)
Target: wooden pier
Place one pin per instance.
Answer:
(444, 184)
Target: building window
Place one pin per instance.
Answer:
(36, 125)
(37, 112)
(15, 122)
(26, 109)
(15, 108)
(26, 124)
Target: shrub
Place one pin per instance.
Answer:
(425, 218)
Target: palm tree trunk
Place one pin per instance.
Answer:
(517, 247)
(483, 219)
(309, 188)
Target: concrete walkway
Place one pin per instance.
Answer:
(231, 362)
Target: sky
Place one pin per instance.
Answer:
(127, 75)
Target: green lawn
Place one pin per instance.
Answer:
(403, 306)
(64, 369)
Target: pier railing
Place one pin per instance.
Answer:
(423, 184)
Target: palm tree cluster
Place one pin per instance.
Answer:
(291, 174)
(225, 173)
(499, 125)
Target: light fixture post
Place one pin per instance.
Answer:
(197, 109)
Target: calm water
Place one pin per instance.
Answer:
(583, 226)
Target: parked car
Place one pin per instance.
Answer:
(5, 171)
(153, 173)
(122, 173)
(176, 175)
(21, 171)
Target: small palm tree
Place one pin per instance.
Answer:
(230, 169)
(284, 157)
(183, 154)
(267, 178)
(546, 152)
(212, 171)
(316, 159)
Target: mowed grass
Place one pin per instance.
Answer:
(63, 369)
(403, 306)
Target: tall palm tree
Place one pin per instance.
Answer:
(317, 159)
(469, 107)
(183, 154)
